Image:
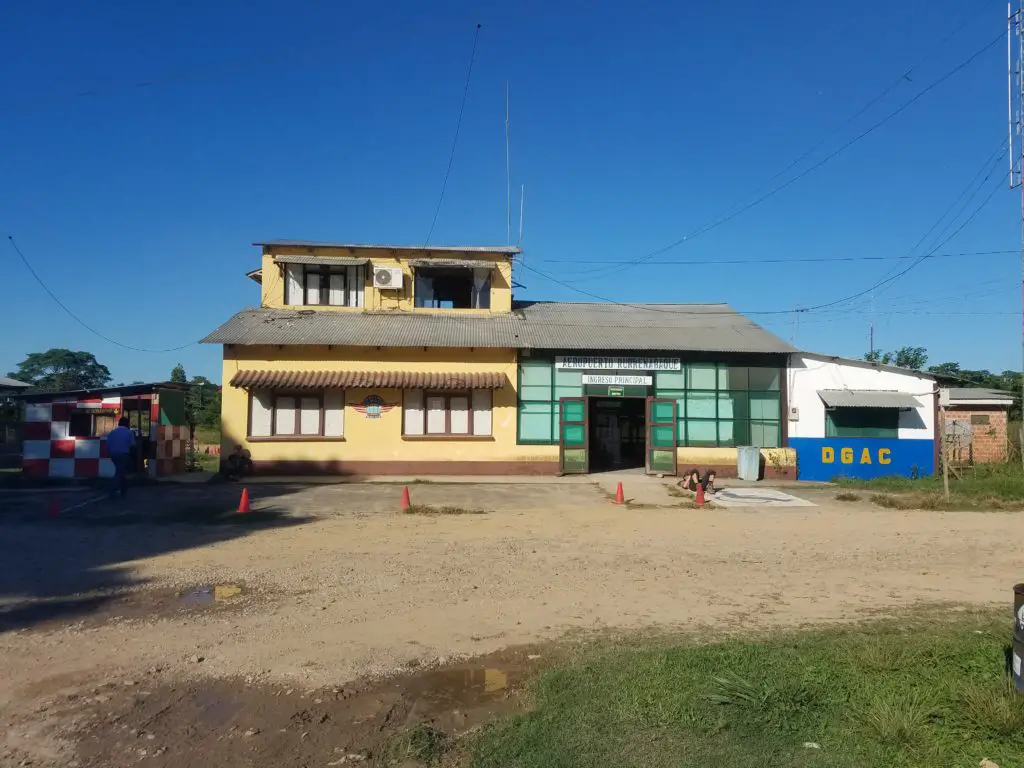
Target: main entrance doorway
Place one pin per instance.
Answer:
(617, 433)
(599, 434)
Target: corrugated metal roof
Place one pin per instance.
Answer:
(386, 247)
(867, 398)
(388, 379)
(452, 263)
(684, 327)
(539, 325)
(13, 383)
(979, 393)
(342, 261)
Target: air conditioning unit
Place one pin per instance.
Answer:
(387, 278)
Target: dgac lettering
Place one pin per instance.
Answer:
(828, 455)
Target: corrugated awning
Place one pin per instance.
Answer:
(867, 398)
(366, 379)
(336, 261)
(468, 263)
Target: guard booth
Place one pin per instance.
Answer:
(65, 432)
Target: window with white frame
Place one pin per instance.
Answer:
(314, 285)
(297, 414)
(447, 414)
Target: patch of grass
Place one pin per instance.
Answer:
(910, 693)
(847, 496)
(420, 745)
(938, 502)
(900, 719)
(425, 509)
(207, 435)
(995, 708)
(986, 486)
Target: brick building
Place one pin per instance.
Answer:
(976, 425)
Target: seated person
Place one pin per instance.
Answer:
(693, 479)
(690, 481)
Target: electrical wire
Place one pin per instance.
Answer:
(79, 320)
(455, 140)
(810, 169)
(798, 260)
(814, 308)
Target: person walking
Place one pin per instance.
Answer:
(120, 443)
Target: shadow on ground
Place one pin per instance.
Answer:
(70, 565)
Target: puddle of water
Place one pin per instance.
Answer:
(464, 686)
(208, 595)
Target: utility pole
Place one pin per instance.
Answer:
(1015, 94)
(871, 329)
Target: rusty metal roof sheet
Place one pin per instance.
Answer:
(366, 379)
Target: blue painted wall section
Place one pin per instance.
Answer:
(825, 458)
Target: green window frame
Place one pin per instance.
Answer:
(540, 388)
(862, 422)
(722, 405)
(718, 404)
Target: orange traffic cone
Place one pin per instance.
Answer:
(619, 497)
(243, 503)
(700, 495)
(406, 503)
(54, 511)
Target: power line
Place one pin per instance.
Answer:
(804, 310)
(898, 275)
(79, 320)
(995, 157)
(810, 169)
(798, 260)
(455, 140)
(904, 76)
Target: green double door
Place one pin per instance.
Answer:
(574, 436)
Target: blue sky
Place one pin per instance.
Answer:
(631, 126)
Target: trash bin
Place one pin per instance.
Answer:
(748, 462)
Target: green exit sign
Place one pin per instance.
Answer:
(615, 391)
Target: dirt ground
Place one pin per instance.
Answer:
(163, 631)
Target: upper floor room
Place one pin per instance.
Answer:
(338, 276)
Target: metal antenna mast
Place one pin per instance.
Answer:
(1015, 94)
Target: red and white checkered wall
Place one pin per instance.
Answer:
(49, 451)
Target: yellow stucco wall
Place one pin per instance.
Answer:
(378, 439)
(273, 278)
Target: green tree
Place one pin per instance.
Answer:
(56, 370)
(178, 374)
(914, 358)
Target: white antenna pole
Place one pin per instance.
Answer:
(1009, 83)
(522, 204)
(508, 174)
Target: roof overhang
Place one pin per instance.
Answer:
(868, 398)
(316, 380)
(325, 261)
(449, 263)
(506, 249)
